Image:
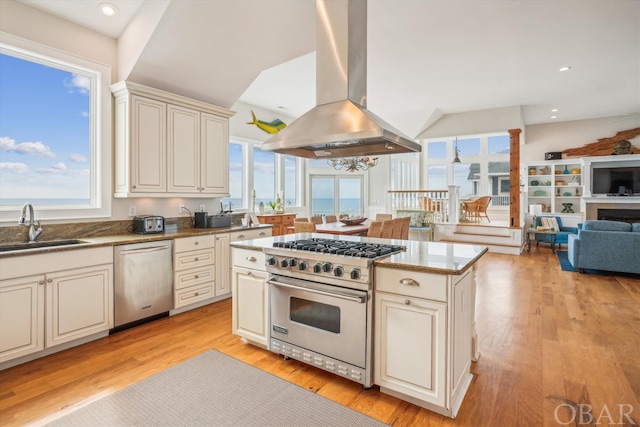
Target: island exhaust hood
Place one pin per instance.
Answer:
(340, 125)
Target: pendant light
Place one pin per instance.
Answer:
(456, 159)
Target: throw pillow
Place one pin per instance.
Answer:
(550, 222)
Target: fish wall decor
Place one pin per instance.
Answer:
(272, 127)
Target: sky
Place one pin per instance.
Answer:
(44, 131)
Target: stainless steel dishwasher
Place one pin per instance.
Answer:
(143, 280)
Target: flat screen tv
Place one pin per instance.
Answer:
(617, 181)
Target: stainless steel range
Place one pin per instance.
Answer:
(320, 303)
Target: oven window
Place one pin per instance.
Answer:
(315, 314)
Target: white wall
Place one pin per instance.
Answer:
(560, 136)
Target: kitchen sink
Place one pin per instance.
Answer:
(36, 245)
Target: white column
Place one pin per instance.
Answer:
(453, 207)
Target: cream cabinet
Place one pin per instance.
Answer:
(250, 308)
(423, 337)
(69, 297)
(167, 145)
(21, 316)
(194, 270)
(223, 264)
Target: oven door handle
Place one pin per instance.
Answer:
(359, 300)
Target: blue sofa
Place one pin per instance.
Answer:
(562, 236)
(606, 245)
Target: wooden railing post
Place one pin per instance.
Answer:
(514, 177)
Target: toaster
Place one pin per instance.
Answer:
(148, 224)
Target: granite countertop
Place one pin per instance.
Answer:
(428, 257)
(121, 239)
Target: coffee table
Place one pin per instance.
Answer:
(531, 233)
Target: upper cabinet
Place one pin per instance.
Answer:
(167, 145)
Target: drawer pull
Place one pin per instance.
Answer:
(241, 236)
(263, 234)
(196, 243)
(251, 258)
(197, 293)
(407, 302)
(409, 282)
(249, 273)
(197, 277)
(196, 259)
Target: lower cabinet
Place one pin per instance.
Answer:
(70, 297)
(194, 270)
(411, 341)
(250, 308)
(423, 337)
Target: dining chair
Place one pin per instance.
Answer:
(304, 227)
(316, 219)
(383, 217)
(391, 228)
(330, 218)
(375, 227)
(426, 204)
(301, 219)
(404, 230)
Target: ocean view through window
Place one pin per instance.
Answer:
(55, 149)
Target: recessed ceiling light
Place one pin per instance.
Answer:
(555, 110)
(108, 9)
(554, 117)
(565, 68)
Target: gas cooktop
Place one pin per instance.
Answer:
(341, 247)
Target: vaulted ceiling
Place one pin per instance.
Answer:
(425, 57)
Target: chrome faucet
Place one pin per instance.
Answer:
(33, 233)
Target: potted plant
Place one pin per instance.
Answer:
(272, 205)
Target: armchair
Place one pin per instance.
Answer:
(474, 208)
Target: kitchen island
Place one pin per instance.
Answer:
(421, 306)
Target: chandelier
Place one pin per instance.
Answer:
(352, 164)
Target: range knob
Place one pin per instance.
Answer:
(355, 274)
(338, 271)
(327, 267)
(317, 268)
(293, 262)
(284, 263)
(271, 261)
(302, 265)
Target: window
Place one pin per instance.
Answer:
(55, 128)
(260, 174)
(264, 175)
(236, 175)
(337, 194)
(405, 171)
(484, 169)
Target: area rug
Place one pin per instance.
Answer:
(563, 257)
(213, 389)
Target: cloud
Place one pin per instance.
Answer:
(79, 84)
(85, 114)
(28, 148)
(77, 158)
(264, 167)
(59, 166)
(14, 167)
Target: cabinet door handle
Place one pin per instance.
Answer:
(196, 243)
(407, 302)
(196, 259)
(409, 282)
(251, 258)
(41, 282)
(197, 277)
(49, 280)
(249, 273)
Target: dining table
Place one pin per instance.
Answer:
(339, 228)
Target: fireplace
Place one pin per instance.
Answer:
(623, 215)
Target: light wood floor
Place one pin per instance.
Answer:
(549, 341)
